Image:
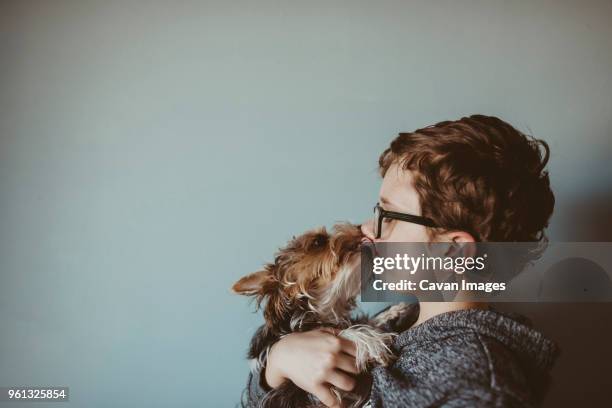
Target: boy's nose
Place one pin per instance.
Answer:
(367, 230)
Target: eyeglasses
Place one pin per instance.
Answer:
(380, 214)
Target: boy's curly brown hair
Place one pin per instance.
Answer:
(480, 175)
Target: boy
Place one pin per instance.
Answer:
(487, 180)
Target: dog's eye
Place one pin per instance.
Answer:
(319, 241)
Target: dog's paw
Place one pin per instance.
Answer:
(386, 359)
(397, 318)
(373, 345)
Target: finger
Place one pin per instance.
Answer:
(324, 394)
(347, 363)
(348, 346)
(341, 380)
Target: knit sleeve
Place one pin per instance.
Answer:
(481, 397)
(256, 389)
(454, 371)
(392, 389)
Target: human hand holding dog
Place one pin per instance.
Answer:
(313, 361)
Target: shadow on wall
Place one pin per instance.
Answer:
(576, 279)
(580, 376)
(589, 219)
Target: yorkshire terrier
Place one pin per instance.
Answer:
(313, 282)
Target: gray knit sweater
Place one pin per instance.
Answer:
(468, 358)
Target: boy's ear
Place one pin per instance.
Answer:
(252, 284)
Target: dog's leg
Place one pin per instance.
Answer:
(372, 345)
(397, 318)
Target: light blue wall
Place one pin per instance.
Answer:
(153, 152)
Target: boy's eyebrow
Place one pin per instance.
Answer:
(385, 200)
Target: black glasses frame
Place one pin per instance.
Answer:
(380, 214)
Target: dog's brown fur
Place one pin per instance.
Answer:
(301, 272)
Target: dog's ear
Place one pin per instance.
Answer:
(253, 284)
